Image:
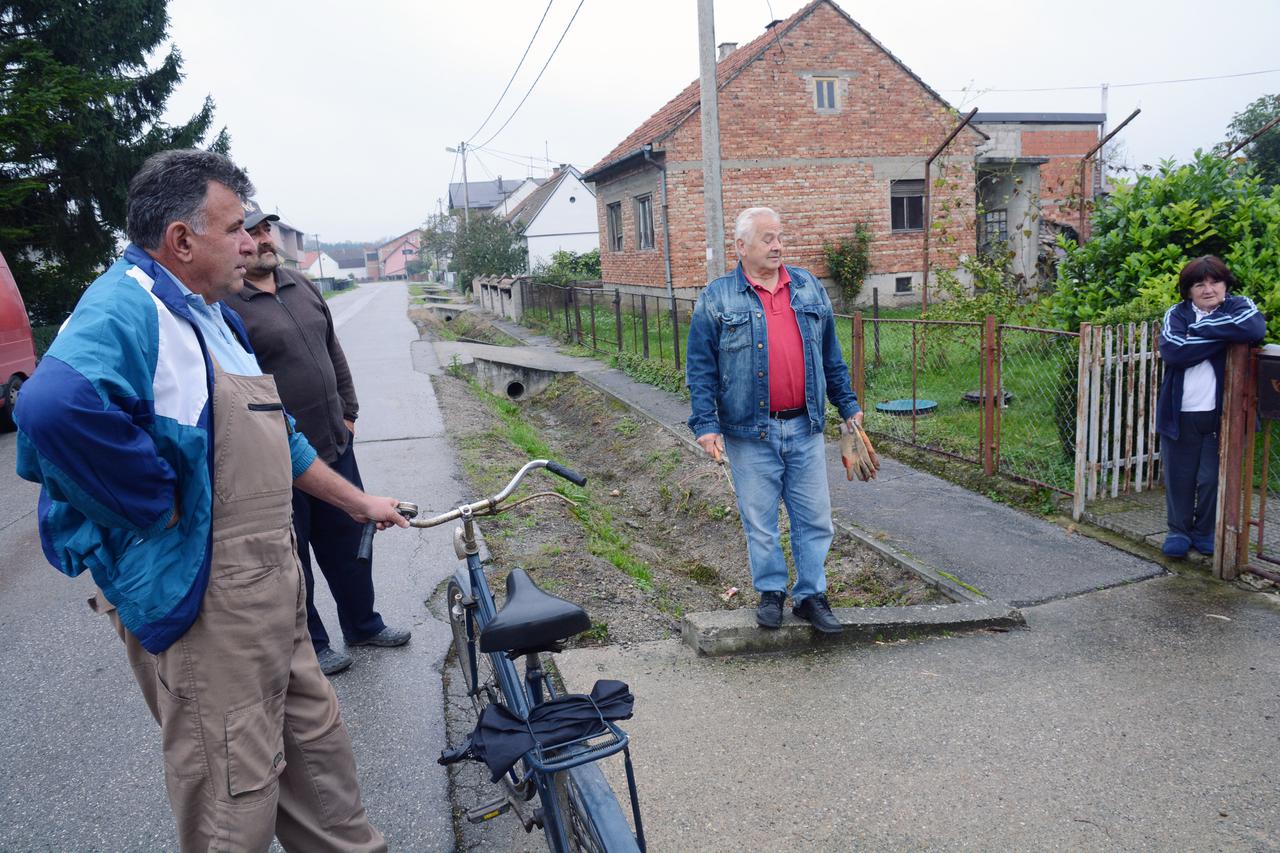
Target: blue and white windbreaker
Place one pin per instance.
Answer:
(116, 424)
(1186, 341)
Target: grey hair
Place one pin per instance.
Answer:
(745, 227)
(172, 187)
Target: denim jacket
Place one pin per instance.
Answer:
(727, 357)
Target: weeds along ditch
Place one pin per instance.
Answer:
(655, 533)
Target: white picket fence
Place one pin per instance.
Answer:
(1117, 449)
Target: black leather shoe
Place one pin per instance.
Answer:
(769, 613)
(817, 612)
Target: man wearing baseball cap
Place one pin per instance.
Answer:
(292, 332)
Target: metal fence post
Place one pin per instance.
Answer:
(577, 316)
(675, 331)
(591, 308)
(856, 344)
(1083, 360)
(989, 392)
(644, 324)
(875, 325)
(565, 296)
(617, 315)
(1231, 543)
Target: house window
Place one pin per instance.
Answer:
(902, 284)
(906, 205)
(644, 222)
(615, 226)
(993, 232)
(824, 93)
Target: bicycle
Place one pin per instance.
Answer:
(577, 809)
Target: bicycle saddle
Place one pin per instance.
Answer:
(531, 620)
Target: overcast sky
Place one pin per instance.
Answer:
(342, 111)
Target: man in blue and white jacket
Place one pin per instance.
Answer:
(1193, 345)
(167, 462)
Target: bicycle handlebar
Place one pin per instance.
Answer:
(486, 505)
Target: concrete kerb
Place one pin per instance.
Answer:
(731, 632)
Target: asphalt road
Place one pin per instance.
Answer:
(81, 760)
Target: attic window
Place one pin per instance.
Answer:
(824, 94)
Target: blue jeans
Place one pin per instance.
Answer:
(791, 465)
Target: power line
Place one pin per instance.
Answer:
(519, 65)
(1126, 85)
(536, 79)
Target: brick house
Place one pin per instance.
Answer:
(1028, 180)
(818, 121)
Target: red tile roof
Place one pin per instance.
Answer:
(684, 105)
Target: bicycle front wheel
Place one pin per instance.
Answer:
(482, 686)
(593, 820)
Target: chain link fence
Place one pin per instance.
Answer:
(1036, 421)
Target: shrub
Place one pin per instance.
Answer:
(1145, 232)
(849, 261)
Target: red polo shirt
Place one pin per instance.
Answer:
(786, 347)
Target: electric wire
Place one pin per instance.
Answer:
(536, 79)
(1123, 85)
(519, 65)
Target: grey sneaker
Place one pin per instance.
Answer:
(387, 637)
(332, 662)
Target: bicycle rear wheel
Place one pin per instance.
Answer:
(594, 821)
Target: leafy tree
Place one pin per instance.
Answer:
(568, 267)
(1145, 232)
(1263, 152)
(79, 112)
(487, 246)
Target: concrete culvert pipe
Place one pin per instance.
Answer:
(515, 390)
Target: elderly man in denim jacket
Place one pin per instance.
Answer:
(762, 358)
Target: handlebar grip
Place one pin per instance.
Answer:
(572, 476)
(365, 552)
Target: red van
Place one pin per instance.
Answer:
(17, 351)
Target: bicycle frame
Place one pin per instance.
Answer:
(524, 694)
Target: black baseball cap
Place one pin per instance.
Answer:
(253, 214)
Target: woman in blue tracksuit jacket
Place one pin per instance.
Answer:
(1193, 346)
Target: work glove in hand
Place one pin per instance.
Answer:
(854, 453)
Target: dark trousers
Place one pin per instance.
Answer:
(335, 538)
(1191, 474)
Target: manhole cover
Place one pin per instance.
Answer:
(978, 397)
(905, 407)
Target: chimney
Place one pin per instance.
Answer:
(726, 48)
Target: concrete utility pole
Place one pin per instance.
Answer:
(466, 193)
(712, 199)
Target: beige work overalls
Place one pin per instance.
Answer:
(253, 742)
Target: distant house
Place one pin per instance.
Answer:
(519, 194)
(559, 216)
(351, 263)
(318, 265)
(819, 121)
(395, 254)
(290, 242)
(481, 196)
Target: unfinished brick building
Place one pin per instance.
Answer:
(818, 121)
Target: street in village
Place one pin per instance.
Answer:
(1138, 717)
